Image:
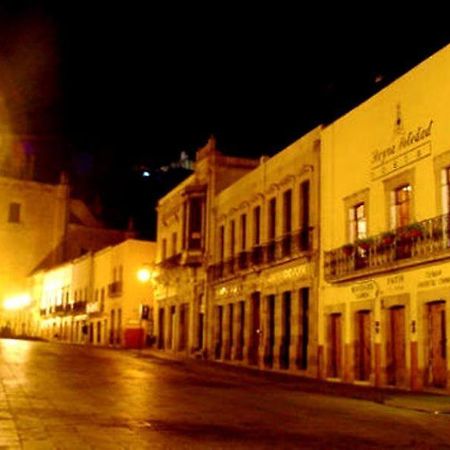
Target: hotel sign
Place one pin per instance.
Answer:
(410, 146)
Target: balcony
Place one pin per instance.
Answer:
(115, 289)
(406, 246)
(189, 257)
(288, 247)
(79, 307)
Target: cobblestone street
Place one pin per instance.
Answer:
(72, 397)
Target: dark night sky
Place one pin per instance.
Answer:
(122, 83)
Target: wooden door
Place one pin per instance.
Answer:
(219, 332)
(396, 346)
(255, 329)
(362, 346)
(335, 345)
(285, 330)
(437, 344)
(184, 326)
(270, 338)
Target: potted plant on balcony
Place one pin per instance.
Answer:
(414, 230)
(348, 249)
(388, 238)
(364, 243)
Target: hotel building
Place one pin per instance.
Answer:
(385, 279)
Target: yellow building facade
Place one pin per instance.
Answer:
(262, 297)
(184, 241)
(102, 298)
(385, 272)
(32, 225)
(40, 226)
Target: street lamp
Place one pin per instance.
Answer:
(146, 275)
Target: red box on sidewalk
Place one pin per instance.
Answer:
(134, 338)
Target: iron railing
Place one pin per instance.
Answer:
(403, 246)
(287, 247)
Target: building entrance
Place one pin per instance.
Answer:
(362, 346)
(270, 338)
(254, 330)
(396, 346)
(335, 345)
(437, 344)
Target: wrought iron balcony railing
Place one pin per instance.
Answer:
(79, 307)
(286, 248)
(429, 239)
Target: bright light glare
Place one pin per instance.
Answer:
(145, 173)
(18, 302)
(144, 275)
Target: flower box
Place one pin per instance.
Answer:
(364, 244)
(388, 238)
(348, 249)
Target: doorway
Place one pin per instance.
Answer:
(335, 345)
(254, 329)
(396, 346)
(437, 344)
(270, 342)
(184, 327)
(285, 330)
(362, 346)
(161, 328)
(219, 331)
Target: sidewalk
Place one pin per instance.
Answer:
(417, 401)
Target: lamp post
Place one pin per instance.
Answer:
(145, 275)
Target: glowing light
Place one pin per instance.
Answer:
(145, 173)
(17, 302)
(144, 275)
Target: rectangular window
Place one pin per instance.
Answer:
(401, 206)
(304, 205)
(445, 190)
(195, 222)
(243, 231)
(271, 219)
(257, 225)
(357, 222)
(232, 237)
(174, 244)
(164, 249)
(221, 242)
(14, 213)
(287, 211)
(184, 232)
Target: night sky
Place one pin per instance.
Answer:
(110, 87)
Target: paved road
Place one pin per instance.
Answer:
(67, 397)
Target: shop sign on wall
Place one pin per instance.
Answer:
(410, 146)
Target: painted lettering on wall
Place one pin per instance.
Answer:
(409, 147)
(433, 278)
(364, 290)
